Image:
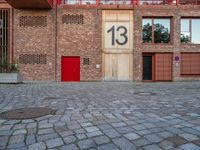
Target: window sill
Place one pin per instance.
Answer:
(163, 44)
(190, 75)
(185, 44)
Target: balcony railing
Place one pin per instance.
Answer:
(129, 2)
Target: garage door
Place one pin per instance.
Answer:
(163, 67)
(70, 69)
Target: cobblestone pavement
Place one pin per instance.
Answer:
(103, 116)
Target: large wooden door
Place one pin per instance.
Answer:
(117, 45)
(163, 67)
(117, 67)
(71, 69)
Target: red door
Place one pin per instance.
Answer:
(70, 69)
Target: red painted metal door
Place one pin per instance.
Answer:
(70, 68)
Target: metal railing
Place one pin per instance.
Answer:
(8, 68)
(129, 2)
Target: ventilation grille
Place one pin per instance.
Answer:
(86, 61)
(33, 59)
(33, 21)
(72, 19)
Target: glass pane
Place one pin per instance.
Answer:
(196, 31)
(108, 1)
(71, 2)
(161, 30)
(185, 37)
(185, 25)
(147, 30)
(88, 2)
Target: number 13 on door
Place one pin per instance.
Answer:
(116, 35)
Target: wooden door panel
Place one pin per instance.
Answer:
(123, 67)
(163, 67)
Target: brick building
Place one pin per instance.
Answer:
(102, 40)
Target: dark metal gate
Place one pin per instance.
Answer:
(4, 36)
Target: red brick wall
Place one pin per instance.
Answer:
(85, 41)
(35, 40)
(175, 46)
(82, 40)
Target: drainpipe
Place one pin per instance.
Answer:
(56, 36)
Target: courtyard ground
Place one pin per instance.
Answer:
(103, 116)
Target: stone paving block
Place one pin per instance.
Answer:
(69, 139)
(143, 132)
(16, 145)
(141, 142)
(165, 134)
(86, 144)
(197, 142)
(104, 126)
(16, 139)
(118, 124)
(31, 125)
(46, 137)
(111, 133)
(30, 139)
(167, 145)
(149, 125)
(189, 137)
(19, 126)
(5, 127)
(189, 146)
(66, 133)
(54, 143)
(124, 144)
(108, 147)
(196, 128)
(131, 136)
(69, 147)
(93, 134)
(152, 147)
(176, 140)
(153, 138)
(45, 125)
(74, 126)
(101, 140)
(191, 131)
(22, 131)
(91, 129)
(31, 130)
(5, 132)
(139, 127)
(86, 124)
(3, 142)
(37, 146)
(81, 136)
(124, 130)
(45, 131)
(79, 130)
(174, 130)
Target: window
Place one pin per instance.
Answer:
(190, 31)
(156, 30)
